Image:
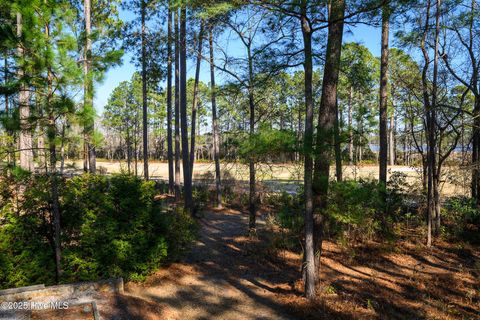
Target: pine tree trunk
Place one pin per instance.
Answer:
(309, 270)
(350, 127)
(135, 145)
(434, 194)
(411, 142)
(85, 152)
(51, 134)
(391, 143)
(405, 141)
(216, 141)
(326, 121)
(171, 179)
(129, 149)
(430, 107)
(394, 137)
(299, 133)
(338, 147)
(383, 97)
(462, 136)
(252, 199)
(187, 184)
(42, 161)
(11, 142)
(195, 99)
(55, 196)
(40, 132)
(88, 92)
(144, 94)
(62, 150)
(475, 151)
(177, 109)
(25, 135)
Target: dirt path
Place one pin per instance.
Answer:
(217, 280)
(229, 276)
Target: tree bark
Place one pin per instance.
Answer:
(252, 199)
(309, 270)
(216, 141)
(10, 143)
(128, 143)
(326, 121)
(434, 193)
(338, 147)
(430, 115)
(391, 143)
(88, 91)
(187, 182)
(171, 180)
(350, 126)
(177, 109)
(25, 135)
(299, 134)
(42, 161)
(51, 134)
(405, 141)
(475, 151)
(383, 97)
(195, 98)
(135, 144)
(144, 94)
(62, 150)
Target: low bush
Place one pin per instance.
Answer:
(288, 218)
(354, 209)
(461, 219)
(111, 226)
(26, 241)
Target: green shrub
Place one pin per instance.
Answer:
(288, 217)
(110, 227)
(462, 219)
(267, 143)
(397, 203)
(353, 209)
(181, 231)
(202, 195)
(26, 254)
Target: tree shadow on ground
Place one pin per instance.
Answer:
(126, 307)
(402, 286)
(237, 275)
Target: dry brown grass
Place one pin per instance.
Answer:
(411, 282)
(455, 180)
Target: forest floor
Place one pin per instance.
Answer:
(218, 280)
(286, 176)
(228, 275)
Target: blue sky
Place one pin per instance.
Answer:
(366, 35)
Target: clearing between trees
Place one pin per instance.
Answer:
(285, 173)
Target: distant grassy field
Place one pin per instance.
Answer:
(455, 180)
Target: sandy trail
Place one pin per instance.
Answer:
(217, 280)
